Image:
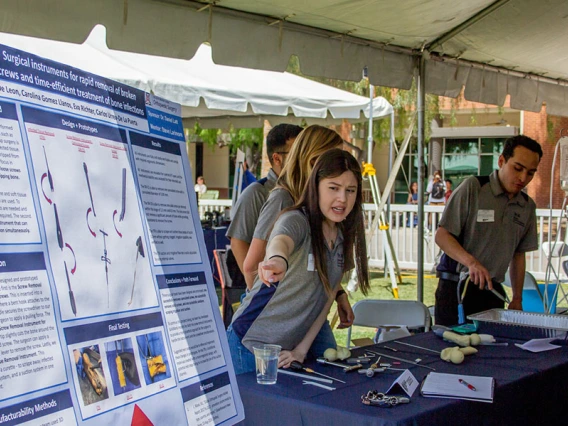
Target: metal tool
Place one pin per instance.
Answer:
(295, 365)
(346, 368)
(139, 251)
(381, 400)
(304, 376)
(371, 369)
(49, 178)
(403, 360)
(107, 262)
(89, 186)
(416, 346)
(499, 295)
(71, 296)
(123, 211)
(319, 385)
(58, 228)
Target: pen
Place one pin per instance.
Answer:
(469, 385)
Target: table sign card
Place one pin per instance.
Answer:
(406, 383)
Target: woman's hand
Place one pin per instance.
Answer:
(272, 270)
(286, 358)
(346, 316)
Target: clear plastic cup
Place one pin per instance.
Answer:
(266, 358)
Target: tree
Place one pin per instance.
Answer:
(248, 140)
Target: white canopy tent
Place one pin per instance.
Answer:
(492, 47)
(213, 95)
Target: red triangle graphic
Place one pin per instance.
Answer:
(139, 418)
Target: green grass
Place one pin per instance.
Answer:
(381, 289)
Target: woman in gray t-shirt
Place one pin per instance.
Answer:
(311, 246)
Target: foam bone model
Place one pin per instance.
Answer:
(456, 354)
(341, 353)
(462, 340)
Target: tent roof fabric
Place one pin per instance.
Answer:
(214, 95)
(493, 47)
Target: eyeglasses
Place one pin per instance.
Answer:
(283, 152)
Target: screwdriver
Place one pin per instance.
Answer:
(295, 365)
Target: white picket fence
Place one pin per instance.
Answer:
(405, 238)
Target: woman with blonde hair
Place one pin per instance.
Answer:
(313, 244)
(312, 142)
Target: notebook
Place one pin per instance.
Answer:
(458, 386)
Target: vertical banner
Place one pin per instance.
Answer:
(108, 312)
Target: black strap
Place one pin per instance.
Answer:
(448, 276)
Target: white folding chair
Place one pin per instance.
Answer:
(378, 313)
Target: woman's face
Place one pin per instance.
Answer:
(337, 196)
(414, 187)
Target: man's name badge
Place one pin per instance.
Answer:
(486, 216)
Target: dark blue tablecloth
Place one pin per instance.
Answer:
(530, 389)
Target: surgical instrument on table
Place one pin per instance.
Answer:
(346, 368)
(304, 376)
(295, 365)
(319, 385)
(415, 346)
(403, 360)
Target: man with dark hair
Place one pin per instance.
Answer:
(245, 212)
(488, 226)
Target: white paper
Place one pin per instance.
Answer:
(442, 385)
(538, 345)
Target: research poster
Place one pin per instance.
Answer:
(108, 312)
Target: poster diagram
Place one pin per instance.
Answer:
(89, 203)
(107, 302)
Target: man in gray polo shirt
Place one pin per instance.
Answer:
(488, 226)
(245, 212)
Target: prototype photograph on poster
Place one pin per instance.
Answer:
(155, 364)
(122, 367)
(90, 374)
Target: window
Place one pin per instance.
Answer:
(461, 158)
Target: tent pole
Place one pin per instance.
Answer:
(370, 130)
(391, 148)
(420, 102)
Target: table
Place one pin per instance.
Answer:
(529, 389)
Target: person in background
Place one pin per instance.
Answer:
(310, 247)
(435, 189)
(413, 193)
(488, 226)
(449, 189)
(245, 212)
(200, 186)
(412, 199)
(248, 177)
(312, 142)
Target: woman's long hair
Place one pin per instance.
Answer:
(309, 145)
(331, 164)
